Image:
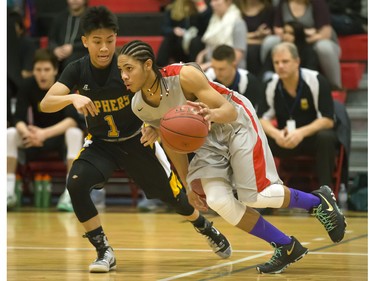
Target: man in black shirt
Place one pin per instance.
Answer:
(46, 131)
(300, 100)
(115, 139)
(225, 71)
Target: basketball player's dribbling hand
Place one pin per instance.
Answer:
(197, 201)
(203, 110)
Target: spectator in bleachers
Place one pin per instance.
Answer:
(184, 20)
(315, 16)
(20, 52)
(293, 32)
(346, 17)
(226, 26)
(64, 37)
(258, 15)
(300, 100)
(224, 70)
(38, 133)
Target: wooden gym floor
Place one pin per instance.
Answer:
(47, 245)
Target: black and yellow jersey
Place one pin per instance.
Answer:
(105, 88)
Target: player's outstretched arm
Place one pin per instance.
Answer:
(58, 97)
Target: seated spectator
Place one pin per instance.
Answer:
(184, 20)
(346, 17)
(64, 38)
(258, 15)
(46, 131)
(224, 70)
(226, 26)
(20, 53)
(293, 32)
(315, 17)
(300, 100)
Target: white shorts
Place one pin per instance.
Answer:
(237, 152)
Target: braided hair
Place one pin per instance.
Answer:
(141, 51)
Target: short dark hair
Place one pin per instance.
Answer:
(224, 52)
(45, 55)
(98, 17)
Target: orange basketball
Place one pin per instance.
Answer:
(183, 129)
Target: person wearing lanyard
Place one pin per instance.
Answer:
(300, 100)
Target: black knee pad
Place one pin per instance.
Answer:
(83, 176)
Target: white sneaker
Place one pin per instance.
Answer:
(105, 262)
(65, 204)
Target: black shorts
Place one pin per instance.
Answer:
(139, 162)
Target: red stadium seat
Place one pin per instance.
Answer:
(128, 6)
(354, 47)
(351, 74)
(297, 168)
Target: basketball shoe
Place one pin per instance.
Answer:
(329, 214)
(105, 261)
(65, 204)
(283, 256)
(217, 241)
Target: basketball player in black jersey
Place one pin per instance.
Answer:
(114, 139)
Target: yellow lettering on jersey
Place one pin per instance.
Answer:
(113, 105)
(126, 100)
(106, 107)
(98, 105)
(120, 102)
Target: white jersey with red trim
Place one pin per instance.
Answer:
(236, 151)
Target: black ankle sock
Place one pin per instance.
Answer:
(199, 222)
(97, 238)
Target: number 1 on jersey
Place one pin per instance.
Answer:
(113, 132)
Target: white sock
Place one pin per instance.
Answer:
(11, 184)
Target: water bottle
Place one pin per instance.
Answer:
(38, 189)
(19, 190)
(46, 191)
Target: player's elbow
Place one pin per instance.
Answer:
(44, 106)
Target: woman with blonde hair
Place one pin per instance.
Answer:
(185, 21)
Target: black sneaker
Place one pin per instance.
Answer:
(105, 262)
(283, 256)
(217, 241)
(329, 214)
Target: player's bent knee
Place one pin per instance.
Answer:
(270, 197)
(229, 208)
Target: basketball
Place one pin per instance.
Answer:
(182, 129)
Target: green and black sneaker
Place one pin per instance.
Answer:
(329, 214)
(283, 256)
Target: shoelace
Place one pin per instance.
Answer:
(328, 220)
(276, 255)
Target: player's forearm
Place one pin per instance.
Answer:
(226, 113)
(56, 98)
